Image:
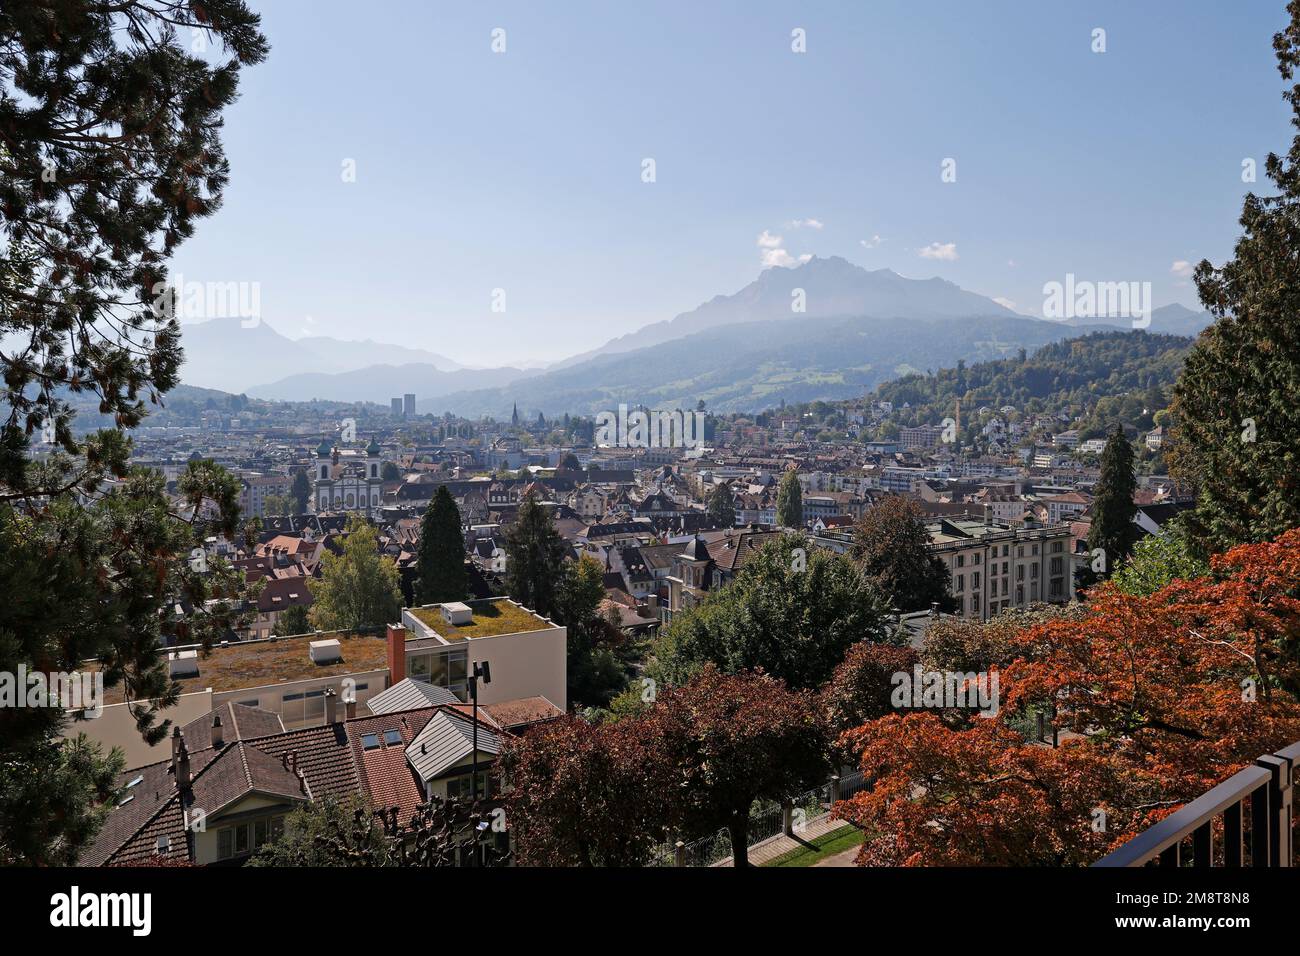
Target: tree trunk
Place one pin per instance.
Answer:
(740, 839)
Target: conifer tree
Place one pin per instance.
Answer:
(441, 561)
(789, 501)
(1235, 414)
(1113, 532)
(534, 557)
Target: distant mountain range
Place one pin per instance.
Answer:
(224, 354)
(831, 287)
(739, 352)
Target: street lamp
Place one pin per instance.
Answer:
(484, 670)
(480, 669)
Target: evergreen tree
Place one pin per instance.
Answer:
(722, 509)
(1113, 530)
(534, 557)
(300, 492)
(441, 561)
(789, 501)
(110, 155)
(1236, 417)
(358, 588)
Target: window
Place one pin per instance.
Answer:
(369, 741)
(392, 738)
(977, 559)
(961, 583)
(245, 837)
(961, 560)
(975, 579)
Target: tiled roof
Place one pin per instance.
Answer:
(238, 722)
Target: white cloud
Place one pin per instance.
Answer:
(946, 251)
(870, 243)
(779, 257)
(1005, 303)
(805, 223)
(773, 252)
(1181, 268)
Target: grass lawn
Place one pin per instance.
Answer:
(826, 845)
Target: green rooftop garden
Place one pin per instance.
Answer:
(489, 619)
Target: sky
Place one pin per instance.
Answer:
(499, 211)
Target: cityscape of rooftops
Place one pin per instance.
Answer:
(649, 438)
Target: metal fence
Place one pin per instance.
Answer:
(767, 819)
(1248, 820)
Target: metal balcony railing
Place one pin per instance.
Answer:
(1248, 820)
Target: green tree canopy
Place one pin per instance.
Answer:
(721, 506)
(793, 610)
(892, 546)
(1112, 529)
(534, 557)
(358, 588)
(1235, 412)
(440, 564)
(789, 501)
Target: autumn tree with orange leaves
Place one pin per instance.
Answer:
(1158, 698)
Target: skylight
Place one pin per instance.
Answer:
(369, 741)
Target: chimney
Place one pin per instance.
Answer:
(331, 706)
(180, 761)
(988, 515)
(350, 705)
(396, 654)
(218, 735)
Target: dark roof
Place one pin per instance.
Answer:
(238, 722)
(696, 550)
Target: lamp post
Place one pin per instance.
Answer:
(478, 670)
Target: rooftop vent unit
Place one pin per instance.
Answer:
(183, 664)
(326, 652)
(457, 613)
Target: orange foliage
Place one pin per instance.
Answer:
(1159, 698)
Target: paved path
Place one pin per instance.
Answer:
(840, 859)
(779, 845)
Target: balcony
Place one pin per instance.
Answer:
(1248, 820)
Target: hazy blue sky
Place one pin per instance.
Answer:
(522, 170)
